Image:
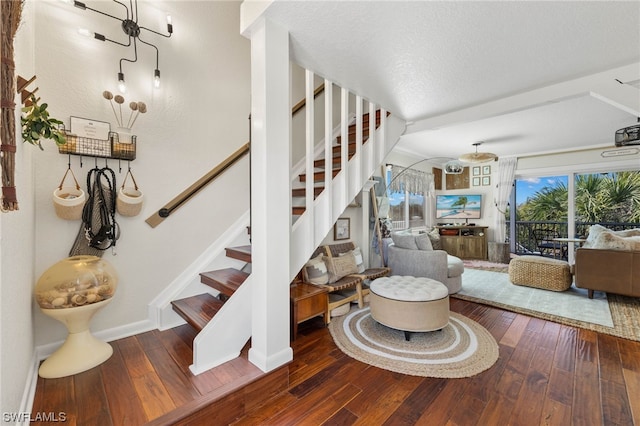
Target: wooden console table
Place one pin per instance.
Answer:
(307, 301)
(465, 242)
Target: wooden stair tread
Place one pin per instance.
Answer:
(298, 210)
(318, 176)
(226, 281)
(302, 192)
(242, 253)
(197, 310)
(336, 160)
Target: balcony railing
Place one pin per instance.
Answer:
(526, 242)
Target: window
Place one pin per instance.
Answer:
(406, 199)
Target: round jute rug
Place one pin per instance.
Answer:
(461, 349)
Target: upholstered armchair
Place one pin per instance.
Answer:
(414, 255)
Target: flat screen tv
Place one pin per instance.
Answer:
(458, 206)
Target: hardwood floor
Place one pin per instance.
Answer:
(547, 374)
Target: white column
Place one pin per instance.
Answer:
(270, 195)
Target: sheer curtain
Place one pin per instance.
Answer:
(504, 186)
(414, 182)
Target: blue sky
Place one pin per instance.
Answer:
(525, 188)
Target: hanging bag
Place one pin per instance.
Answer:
(69, 200)
(129, 199)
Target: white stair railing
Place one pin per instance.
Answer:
(322, 212)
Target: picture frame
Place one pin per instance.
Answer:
(476, 171)
(486, 180)
(486, 170)
(342, 229)
(476, 180)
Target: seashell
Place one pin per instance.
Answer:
(105, 290)
(92, 298)
(59, 301)
(78, 300)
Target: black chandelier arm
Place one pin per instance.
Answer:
(152, 45)
(123, 5)
(135, 59)
(169, 26)
(83, 6)
(103, 38)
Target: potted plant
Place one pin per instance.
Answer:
(37, 125)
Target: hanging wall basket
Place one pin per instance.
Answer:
(129, 199)
(69, 200)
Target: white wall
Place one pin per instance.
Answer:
(17, 252)
(194, 121)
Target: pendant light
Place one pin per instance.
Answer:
(478, 157)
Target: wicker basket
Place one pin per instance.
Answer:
(129, 200)
(68, 201)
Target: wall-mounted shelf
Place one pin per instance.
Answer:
(106, 148)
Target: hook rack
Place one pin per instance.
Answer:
(104, 148)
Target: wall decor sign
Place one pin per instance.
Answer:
(476, 181)
(341, 230)
(476, 171)
(92, 129)
(486, 170)
(486, 180)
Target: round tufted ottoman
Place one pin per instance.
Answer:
(409, 303)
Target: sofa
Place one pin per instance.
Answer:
(609, 261)
(415, 255)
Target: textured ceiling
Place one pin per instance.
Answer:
(423, 59)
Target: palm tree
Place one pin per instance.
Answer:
(461, 201)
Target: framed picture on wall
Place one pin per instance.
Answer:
(486, 180)
(341, 230)
(476, 171)
(476, 180)
(486, 170)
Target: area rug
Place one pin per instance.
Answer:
(463, 348)
(486, 265)
(612, 314)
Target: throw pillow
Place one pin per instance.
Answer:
(404, 240)
(357, 253)
(423, 242)
(340, 266)
(611, 241)
(315, 271)
(596, 230)
(434, 236)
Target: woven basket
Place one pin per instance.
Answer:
(540, 272)
(129, 200)
(68, 201)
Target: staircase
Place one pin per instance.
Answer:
(319, 174)
(198, 310)
(334, 171)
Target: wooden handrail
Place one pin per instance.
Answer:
(297, 107)
(156, 218)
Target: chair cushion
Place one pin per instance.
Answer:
(340, 266)
(423, 242)
(315, 271)
(404, 240)
(455, 266)
(357, 253)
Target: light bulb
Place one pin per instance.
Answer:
(156, 79)
(121, 85)
(85, 32)
(169, 24)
